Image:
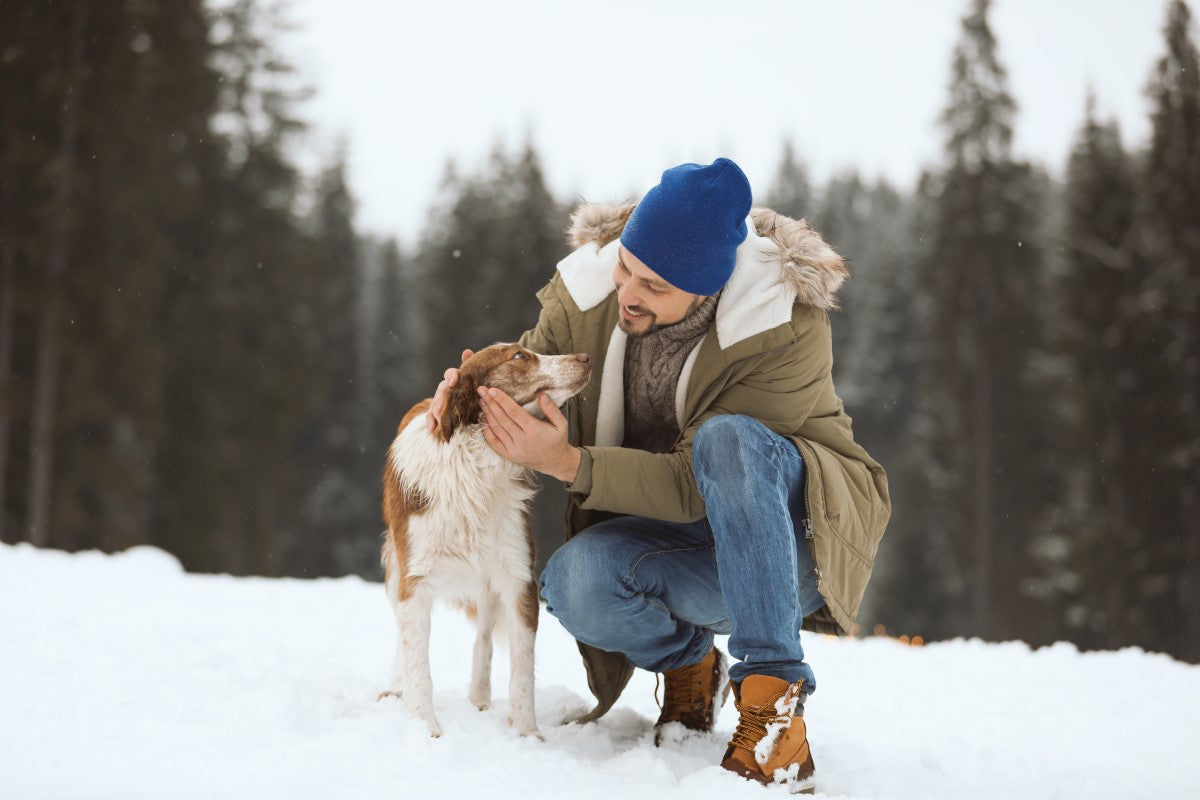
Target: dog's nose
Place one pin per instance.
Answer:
(584, 357)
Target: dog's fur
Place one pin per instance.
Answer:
(458, 529)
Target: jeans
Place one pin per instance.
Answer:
(658, 591)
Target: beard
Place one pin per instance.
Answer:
(629, 328)
(654, 326)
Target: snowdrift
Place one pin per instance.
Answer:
(123, 677)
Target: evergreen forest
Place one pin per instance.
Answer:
(199, 351)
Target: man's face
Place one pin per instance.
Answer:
(647, 301)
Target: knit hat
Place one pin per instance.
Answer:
(688, 227)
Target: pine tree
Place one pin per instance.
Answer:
(983, 407)
(70, 81)
(147, 117)
(135, 87)
(1097, 290)
(1166, 590)
(791, 191)
(241, 342)
(876, 356)
(491, 243)
(341, 506)
(397, 339)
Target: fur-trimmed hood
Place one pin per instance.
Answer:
(804, 259)
(782, 263)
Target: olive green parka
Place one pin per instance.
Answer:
(768, 356)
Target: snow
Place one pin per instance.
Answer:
(123, 677)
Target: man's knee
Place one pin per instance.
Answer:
(727, 441)
(579, 582)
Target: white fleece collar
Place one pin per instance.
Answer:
(756, 298)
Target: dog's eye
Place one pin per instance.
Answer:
(518, 354)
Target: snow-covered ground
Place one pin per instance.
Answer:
(123, 677)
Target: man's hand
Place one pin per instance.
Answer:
(434, 415)
(522, 438)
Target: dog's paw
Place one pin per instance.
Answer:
(526, 728)
(390, 693)
(480, 697)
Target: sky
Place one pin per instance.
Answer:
(613, 94)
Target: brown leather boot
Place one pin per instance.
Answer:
(693, 694)
(770, 744)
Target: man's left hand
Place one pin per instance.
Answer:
(522, 438)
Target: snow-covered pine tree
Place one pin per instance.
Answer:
(1166, 587)
(983, 420)
(791, 193)
(1096, 290)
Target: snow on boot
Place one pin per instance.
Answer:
(693, 695)
(770, 744)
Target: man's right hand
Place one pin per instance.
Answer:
(434, 415)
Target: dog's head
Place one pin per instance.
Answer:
(521, 374)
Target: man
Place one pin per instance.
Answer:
(715, 485)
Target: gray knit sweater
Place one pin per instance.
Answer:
(652, 366)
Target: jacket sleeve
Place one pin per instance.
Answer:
(778, 388)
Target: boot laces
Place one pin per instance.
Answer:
(684, 689)
(753, 722)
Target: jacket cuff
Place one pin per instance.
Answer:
(583, 479)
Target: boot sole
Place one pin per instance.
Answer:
(802, 786)
(805, 785)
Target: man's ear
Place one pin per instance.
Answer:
(462, 406)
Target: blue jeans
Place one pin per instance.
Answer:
(658, 591)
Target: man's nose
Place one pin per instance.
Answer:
(624, 296)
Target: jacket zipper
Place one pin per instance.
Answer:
(808, 529)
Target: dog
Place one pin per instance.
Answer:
(458, 529)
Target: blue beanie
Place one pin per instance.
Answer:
(688, 227)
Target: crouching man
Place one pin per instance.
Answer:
(715, 484)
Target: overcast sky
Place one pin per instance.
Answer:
(612, 93)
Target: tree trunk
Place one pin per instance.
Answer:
(45, 391)
(7, 310)
(8, 291)
(1188, 643)
(984, 457)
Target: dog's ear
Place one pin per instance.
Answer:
(462, 406)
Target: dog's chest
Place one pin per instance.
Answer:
(474, 506)
(459, 526)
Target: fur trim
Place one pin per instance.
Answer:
(806, 261)
(597, 222)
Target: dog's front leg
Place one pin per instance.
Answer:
(522, 610)
(480, 690)
(412, 617)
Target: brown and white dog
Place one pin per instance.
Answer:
(458, 529)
